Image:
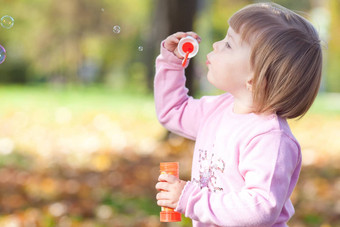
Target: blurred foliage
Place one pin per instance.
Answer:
(89, 156)
(333, 70)
(73, 41)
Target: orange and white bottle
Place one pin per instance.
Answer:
(168, 214)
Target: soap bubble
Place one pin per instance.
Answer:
(116, 29)
(7, 21)
(2, 54)
(140, 48)
(102, 9)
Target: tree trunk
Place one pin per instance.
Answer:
(170, 16)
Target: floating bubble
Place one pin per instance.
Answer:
(7, 21)
(116, 29)
(102, 9)
(140, 48)
(2, 54)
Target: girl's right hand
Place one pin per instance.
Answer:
(171, 42)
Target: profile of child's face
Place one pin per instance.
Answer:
(229, 63)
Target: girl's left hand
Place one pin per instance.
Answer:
(170, 188)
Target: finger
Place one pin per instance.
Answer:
(194, 35)
(163, 195)
(173, 39)
(162, 177)
(178, 54)
(162, 203)
(168, 178)
(166, 203)
(180, 35)
(176, 37)
(162, 186)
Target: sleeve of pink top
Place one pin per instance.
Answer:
(175, 110)
(267, 166)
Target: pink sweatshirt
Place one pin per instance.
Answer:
(245, 166)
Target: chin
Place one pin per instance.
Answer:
(209, 78)
(212, 81)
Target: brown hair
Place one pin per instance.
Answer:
(286, 58)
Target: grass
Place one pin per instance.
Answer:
(103, 97)
(79, 98)
(326, 104)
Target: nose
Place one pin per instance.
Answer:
(215, 45)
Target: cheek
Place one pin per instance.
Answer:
(218, 80)
(218, 74)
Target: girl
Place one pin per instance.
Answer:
(246, 160)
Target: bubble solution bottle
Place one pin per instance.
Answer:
(187, 48)
(168, 214)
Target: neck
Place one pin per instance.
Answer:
(243, 104)
(240, 108)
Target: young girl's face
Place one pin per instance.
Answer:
(229, 64)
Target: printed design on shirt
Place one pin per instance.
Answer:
(208, 169)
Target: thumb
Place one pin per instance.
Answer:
(177, 53)
(168, 178)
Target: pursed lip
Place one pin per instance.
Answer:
(207, 62)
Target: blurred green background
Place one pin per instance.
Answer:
(80, 144)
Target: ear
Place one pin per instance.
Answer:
(249, 84)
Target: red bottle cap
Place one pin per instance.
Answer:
(188, 48)
(188, 44)
(169, 166)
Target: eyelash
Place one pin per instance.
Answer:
(228, 46)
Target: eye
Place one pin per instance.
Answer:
(227, 45)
